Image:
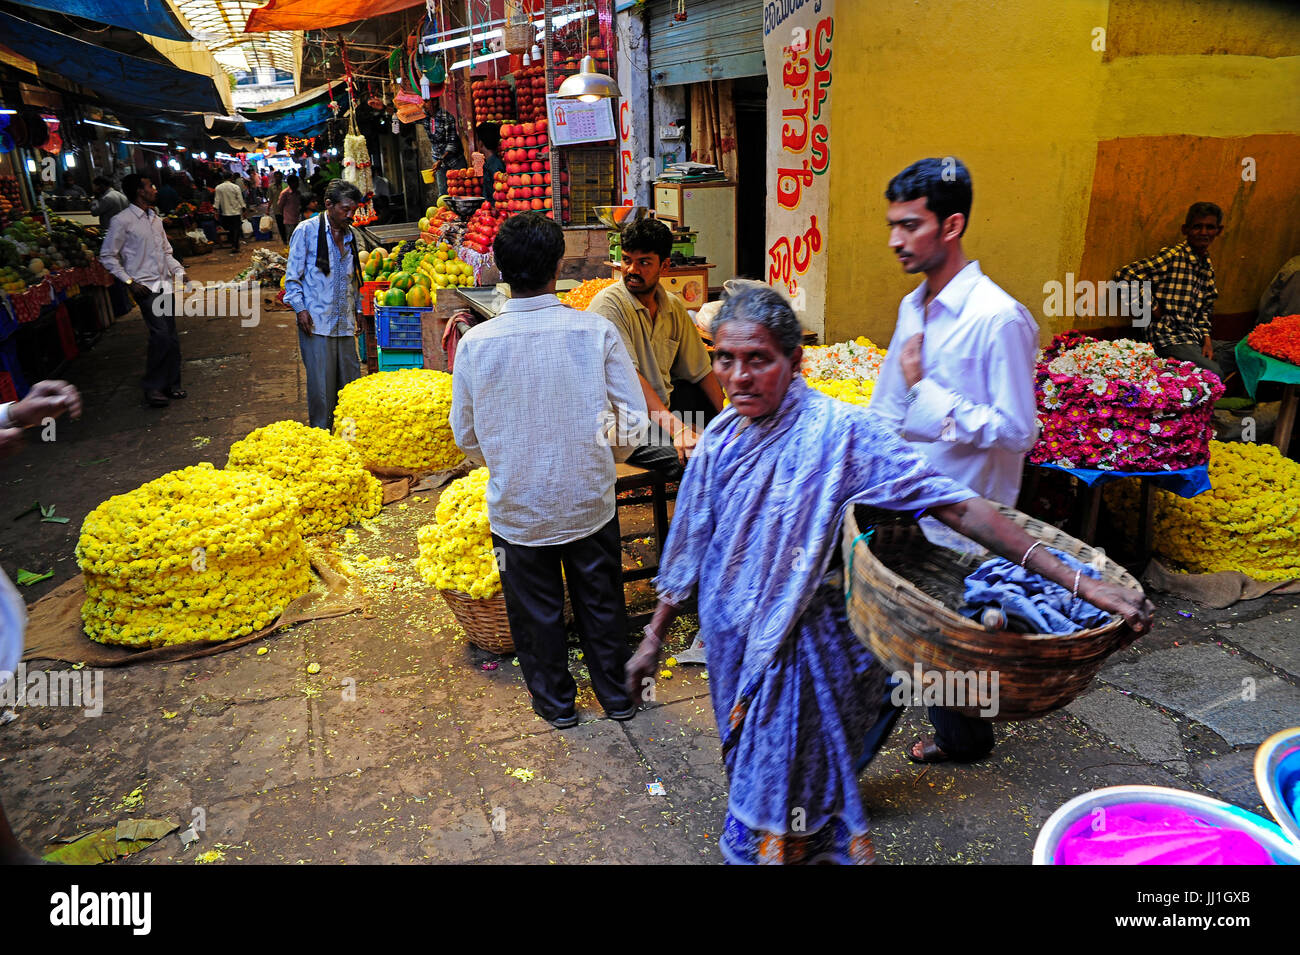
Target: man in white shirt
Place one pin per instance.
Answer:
(548, 399)
(958, 382)
(136, 251)
(228, 199)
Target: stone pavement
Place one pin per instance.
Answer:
(403, 748)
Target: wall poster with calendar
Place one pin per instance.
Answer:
(571, 121)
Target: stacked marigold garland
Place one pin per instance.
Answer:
(399, 419)
(1115, 406)
(1279, 338)
(195, 555)
(323, 472)
(1249, 522)
(456, 552)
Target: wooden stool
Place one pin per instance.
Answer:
(629, 477)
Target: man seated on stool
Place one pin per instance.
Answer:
(676, 374)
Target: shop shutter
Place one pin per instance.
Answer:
(719, 40)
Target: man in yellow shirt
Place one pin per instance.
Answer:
(676, 375)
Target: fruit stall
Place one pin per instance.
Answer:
(53, 293)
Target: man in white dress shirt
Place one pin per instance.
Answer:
(136, 251)
(958, 382)
(547, 397)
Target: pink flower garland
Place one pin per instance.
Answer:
(1126, 411)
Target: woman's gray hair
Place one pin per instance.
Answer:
(336, 190)
(762, 305)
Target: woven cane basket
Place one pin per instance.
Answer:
(518, 37)
(484, 619)
(901, 591)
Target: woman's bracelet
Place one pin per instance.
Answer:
(1030, 551)
(1075, 594)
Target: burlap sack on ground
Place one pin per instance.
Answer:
(400, 483)
(1218, 590)
(54, 628)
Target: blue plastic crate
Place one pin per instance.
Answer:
(391, 359)
(399, 327)
(361, 347)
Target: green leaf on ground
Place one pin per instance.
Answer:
(26, 577)
(106, 845)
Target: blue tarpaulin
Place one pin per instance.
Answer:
(307, 121)
(117, 76)
(153, 17)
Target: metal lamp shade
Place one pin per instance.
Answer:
(588, 85)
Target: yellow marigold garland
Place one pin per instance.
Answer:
(854, 391)
(399, 419)
(195, 555)
(456, 551)
(1249, 522)
(323, 472)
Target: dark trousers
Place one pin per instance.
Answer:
(234, 226)
(534, 592)
(963, 738)
(692, 406)
(279, 224)
(330, 363)
(163, 365)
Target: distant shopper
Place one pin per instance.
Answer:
(273, 204)
(444, 138)
(489, 137)
(136, 250)
(108, 202)
(290, 207)
(230, 203)
(70, 188)
(168, 197)
(322, 284)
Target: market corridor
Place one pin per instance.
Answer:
(410, 745)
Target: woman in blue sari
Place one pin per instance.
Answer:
(796, 695)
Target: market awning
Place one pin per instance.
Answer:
(307, 120)
(319, 14)
(155, 19)
(116, 76)
(293, 102)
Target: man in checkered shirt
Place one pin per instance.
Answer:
(1182, 281)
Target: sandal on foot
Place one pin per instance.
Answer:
(930, 752)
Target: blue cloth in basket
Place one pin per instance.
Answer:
(1031, 603)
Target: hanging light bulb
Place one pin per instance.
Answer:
(587, 85)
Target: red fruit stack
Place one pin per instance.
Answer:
(494, 101)
(530, 93)
(482, 229)
(526, 153)
(463, 182)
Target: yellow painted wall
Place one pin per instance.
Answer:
(1016, 90)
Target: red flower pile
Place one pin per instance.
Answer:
(1280, 338)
